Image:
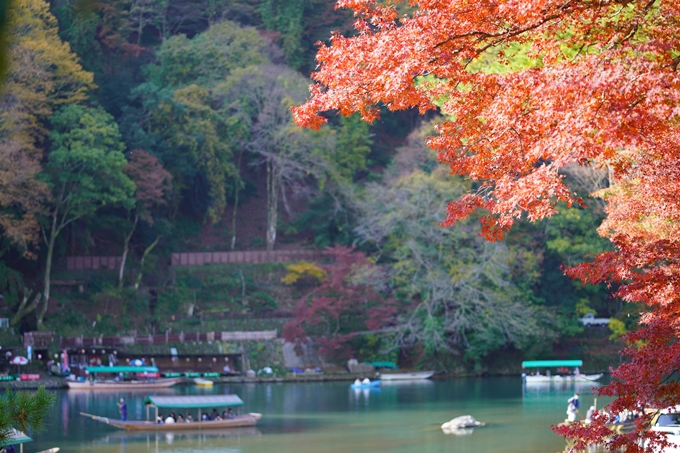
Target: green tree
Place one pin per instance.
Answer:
(85, 171)
(182, 115)
(43, 74)
(24, 411)
(463, 286)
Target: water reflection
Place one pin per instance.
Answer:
(305, 417)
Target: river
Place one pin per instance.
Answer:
(332, 418)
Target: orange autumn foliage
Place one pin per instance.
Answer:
(604, 91)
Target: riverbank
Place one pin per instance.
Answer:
(55, 383)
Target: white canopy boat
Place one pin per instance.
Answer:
(567, 377)
(133, 377)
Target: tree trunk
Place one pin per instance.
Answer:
(237, 188)
(148, 250)
(126, 248)
(48, 273)
(273, 183)
(28, 304)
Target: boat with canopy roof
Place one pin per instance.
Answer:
(563, 372)
(122, 377)
(201, 403)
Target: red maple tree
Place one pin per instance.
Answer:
(349, 292)
(604, 91)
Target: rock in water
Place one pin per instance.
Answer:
(462, 422)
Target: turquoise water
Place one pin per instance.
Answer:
(331, 417)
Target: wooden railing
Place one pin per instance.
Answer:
(200, 258)
(247, 257)
(123, 340)
(38, 339)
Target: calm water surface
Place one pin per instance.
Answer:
(331, 417)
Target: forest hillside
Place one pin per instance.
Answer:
(141, 128)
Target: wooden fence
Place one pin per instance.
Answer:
(76, 263)
(122, 340)
(247, 257)
(38, 339)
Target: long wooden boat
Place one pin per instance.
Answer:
(199, 402)
(238, 421)
(135, 377)
(407, 376)
(123, 385)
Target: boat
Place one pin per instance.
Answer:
(134, 377)
(407, 376)
(18, 438)
(573, 376)
(199, 402)
(372, 384)
(203, 382)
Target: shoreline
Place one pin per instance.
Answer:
(58, 383)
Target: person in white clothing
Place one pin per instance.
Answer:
(366, 381)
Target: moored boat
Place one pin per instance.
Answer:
(203, 382)
(406, 376)
(372, 384)
(126, 377)
(563, 374)
(198, 402)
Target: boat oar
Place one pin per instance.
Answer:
(96, 417)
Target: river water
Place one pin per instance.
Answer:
(332, 418)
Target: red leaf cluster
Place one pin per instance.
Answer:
(605, 92)
(350, 289)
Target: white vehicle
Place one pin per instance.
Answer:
(591, 320)
(668, 422)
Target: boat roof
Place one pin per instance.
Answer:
(550, 363)
(15, 438)
(122, 369)
(193, 401)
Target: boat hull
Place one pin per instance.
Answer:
(203, 382)
(407, 376)
(237, 422)
(123, 385)
(372, 385)
(581, 378)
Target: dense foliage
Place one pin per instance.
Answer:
(146, 127)
(586, 83)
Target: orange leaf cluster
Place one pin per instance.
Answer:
(605, 91)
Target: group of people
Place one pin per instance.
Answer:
(574, 404)
(362, 381)
(214, 415)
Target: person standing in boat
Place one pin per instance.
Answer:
(573, 405)
(122, 408)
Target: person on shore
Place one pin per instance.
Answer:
(589, 414)
(122, 408)
(573, 405)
